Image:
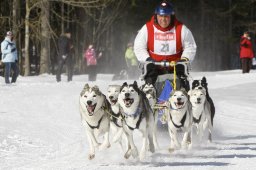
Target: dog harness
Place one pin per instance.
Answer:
(114, 117)
(93, 127)
(139, 112)
(197, 120)
(182, 121)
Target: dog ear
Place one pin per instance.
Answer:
(189, 92)
(124, 84)
(135, 83)
(183, 90)
(96, 89)
(204, 79)
(86, 87)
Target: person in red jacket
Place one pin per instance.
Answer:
(246, 52)
(91, 60)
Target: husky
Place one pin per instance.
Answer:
(116, 124)
(179, 119)
(93, 106)
(201, 112)
(137, 115)
(202, 84)
(150, 92)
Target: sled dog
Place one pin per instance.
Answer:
(201, 112)
(93, 106)
(137, 115)
(116, 123)
(202, 84)
(179, 119)
(150, 92)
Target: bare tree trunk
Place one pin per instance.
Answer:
(45, 43)
(27, 63)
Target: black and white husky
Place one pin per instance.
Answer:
(93, 107)
(179, 119)
(137, 115)
(150, 92)
(116, 124)
(202, 84)
(201, 113)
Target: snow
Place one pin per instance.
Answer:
(40, 127)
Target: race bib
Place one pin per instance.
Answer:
(164, 42)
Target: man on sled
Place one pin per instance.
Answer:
(162, 43)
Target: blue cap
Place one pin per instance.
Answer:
(164, 8)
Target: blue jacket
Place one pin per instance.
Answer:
(9, 51)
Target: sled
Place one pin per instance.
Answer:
(173, 80)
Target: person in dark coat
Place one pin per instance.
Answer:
(246, 52)
(65, 57)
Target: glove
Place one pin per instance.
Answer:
(183, 59)
(14, 49)
(150, 59)
(64, 57)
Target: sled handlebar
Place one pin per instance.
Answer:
(167, 64)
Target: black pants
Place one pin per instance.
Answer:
(153, 72)
(246, 64)
(92, 72)
(68, 62)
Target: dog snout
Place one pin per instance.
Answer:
(178, 99)
(127, 94)
(111, 97)
(200, 88)
(198, 99)
(89, 102)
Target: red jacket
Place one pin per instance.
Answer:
(90, 57)
(246, 50)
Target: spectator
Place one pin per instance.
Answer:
(91, 60)
(246, 52)
(10, 58)
(65, 46)
(131, 61)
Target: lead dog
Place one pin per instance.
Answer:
(137, 115)
(116, 124)
(202, 84)
(201, 112)
(93, 106)
(150, 92)
(179, 119)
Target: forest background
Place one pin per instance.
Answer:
(111, 24)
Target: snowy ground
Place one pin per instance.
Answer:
(40, 127)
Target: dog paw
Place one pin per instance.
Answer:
(152, 148)
(134, 153)
(171, 150)
(127, 154)
(91, 156)
(142, 156)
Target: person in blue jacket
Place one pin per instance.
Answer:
(9, 58)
